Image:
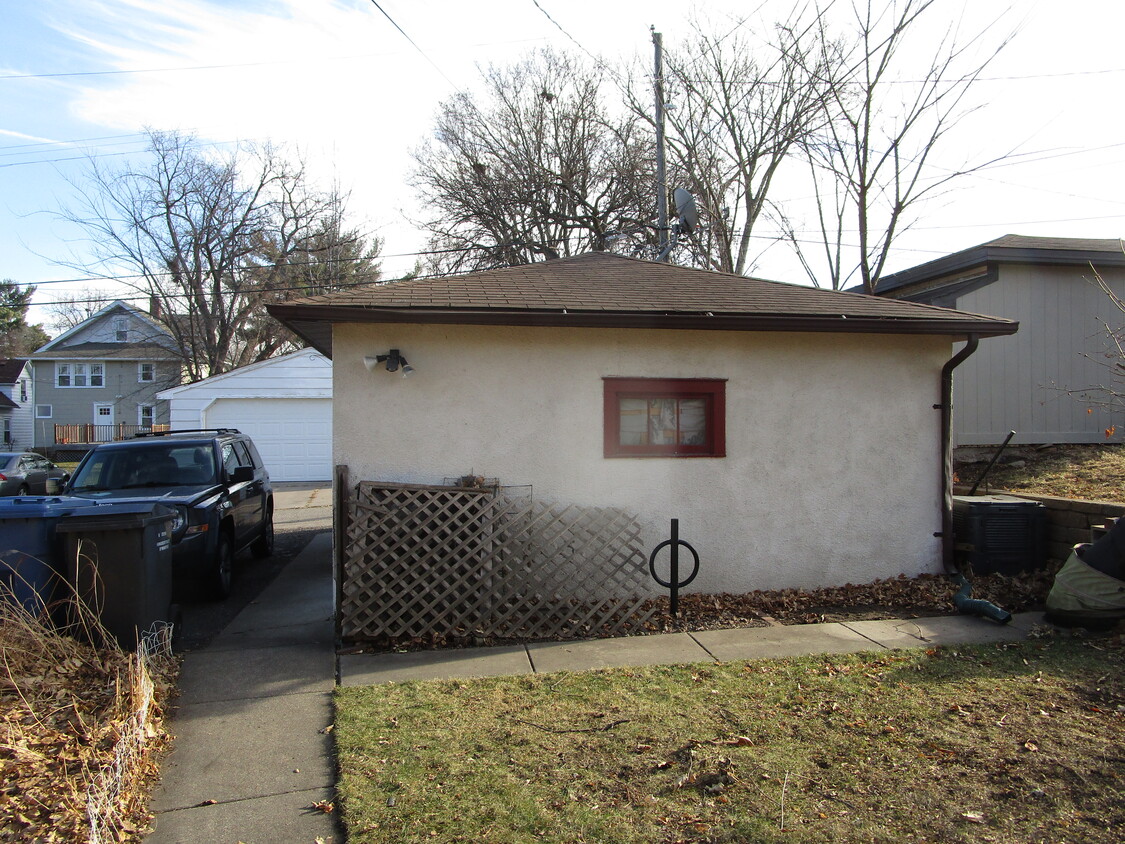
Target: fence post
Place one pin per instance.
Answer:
(339, 541)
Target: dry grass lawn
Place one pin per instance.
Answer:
(1004, 743)
(1091, 472)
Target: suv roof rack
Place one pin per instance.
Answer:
(188, 431)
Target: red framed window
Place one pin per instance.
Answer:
(665, 417)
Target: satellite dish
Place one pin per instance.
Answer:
(686, 210)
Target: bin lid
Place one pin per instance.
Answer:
(995, 498)
(111, 515)
(39, 506)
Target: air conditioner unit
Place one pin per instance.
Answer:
(1000, 533)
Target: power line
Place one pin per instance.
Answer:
(422, 52)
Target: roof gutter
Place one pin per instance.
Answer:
(946, 408)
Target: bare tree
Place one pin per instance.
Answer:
(536, 168)
(870, 161)
(321, 258)
(72, 309)
(210, 237)
(738, 106)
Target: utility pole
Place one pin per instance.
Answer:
(661, 185)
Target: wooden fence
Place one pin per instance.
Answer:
(456, 561)
(87, 432)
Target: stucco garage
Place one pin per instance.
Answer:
(284, 404)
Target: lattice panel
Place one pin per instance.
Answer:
(453, 561)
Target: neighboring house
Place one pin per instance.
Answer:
(16, 400)
(795, 433)
(1032, 383)
(100, 378)
(284, 404)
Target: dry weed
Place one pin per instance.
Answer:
(65, 705)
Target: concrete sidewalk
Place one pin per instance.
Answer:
(708, 646)
(251, 753)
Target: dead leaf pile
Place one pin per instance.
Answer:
(898, 597)
(64, 705)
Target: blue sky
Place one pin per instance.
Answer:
(336, 80)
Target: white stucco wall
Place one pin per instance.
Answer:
(832, 473)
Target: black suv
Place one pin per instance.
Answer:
(214, 480)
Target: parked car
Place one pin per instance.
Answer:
(27, 473)
(213, 479)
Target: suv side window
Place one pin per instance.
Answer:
(230, 459)
(243, 454)
(255, 458)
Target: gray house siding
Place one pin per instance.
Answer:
(1025, 382)
(120, 340)
(121, 389)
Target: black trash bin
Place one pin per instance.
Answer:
(30, 553)
(119, 558)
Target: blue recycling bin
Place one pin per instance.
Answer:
(30, 552)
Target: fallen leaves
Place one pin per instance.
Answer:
(63, 707)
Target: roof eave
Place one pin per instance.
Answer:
(307, 321)
(983, 256)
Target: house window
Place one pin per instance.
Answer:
(120, 330)
(665, 417)
(145, 414)
(7, 431)
(23, 389)
(43, 411)
(146, 371)
(79, 374)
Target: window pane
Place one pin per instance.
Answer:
(63, 373)
(96, 375)
(662, 421)
(693, 422)
(79, 375)
(634, 422)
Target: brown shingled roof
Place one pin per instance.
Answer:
(10, 369)
(599, 289)
(108, 351)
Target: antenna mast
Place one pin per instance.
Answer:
(661, 186)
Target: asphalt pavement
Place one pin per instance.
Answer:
(301, 510)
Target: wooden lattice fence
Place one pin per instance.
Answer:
(454, 561)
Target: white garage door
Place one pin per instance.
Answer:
(294, 436)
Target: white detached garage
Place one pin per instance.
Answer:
(284, 404)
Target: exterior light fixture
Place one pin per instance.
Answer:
(392, 360)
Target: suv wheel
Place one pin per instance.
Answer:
(263, 545)
(223, 572)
